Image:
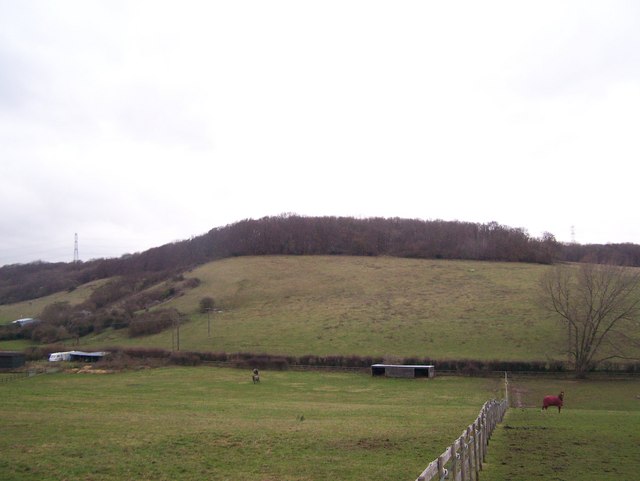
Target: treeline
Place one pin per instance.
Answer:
(297, 235)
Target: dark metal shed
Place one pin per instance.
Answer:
(403, 370)
(11, 359)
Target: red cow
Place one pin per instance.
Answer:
(553, 401)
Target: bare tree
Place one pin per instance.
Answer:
(599, 304)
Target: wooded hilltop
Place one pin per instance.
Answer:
(290, 234)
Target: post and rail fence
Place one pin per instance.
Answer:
(463, 460)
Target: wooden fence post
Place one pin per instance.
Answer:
(440, 469)
(506, 388)
(492, 421)
(464, 458)
(483, 435)
(476, 449)
(454, 462)
(473, 470)
(467, 453)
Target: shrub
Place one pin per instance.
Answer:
(47, 333)
(206, 304)
(191, 282)
(471, 368)
(214, 356)
(121, 359)
(152, 322)
(116, 318)
(146, 353)
(10, 332)
(37, 353)
(57, 313)
(185, 358)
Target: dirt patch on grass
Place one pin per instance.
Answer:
(90, 370)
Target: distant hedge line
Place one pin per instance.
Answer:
(128, 357)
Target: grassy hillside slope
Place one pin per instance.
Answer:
(32, 308)
(363, 306)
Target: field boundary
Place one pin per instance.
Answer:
(10, 376)
(463, 460)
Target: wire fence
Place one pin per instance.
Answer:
(15, 376)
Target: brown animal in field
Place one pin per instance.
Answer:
(553, 401)
(255, 376)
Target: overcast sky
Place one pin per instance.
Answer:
(136, 123)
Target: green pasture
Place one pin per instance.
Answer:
(375, 306)
(338, 305)
(215, 424)
(596, 437)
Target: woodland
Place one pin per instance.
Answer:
(290, 234)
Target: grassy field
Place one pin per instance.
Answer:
(362, 306)
(595, 437)
(215, 424)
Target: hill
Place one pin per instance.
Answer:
(344, 305)
(371, 306)
(296, 235)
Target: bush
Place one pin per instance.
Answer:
(152, 322)
(38, 353)
(10, 332)
(146, 353)
(47, 333)
(115, 318)
(206, 304)
(191, 282)
(57, 313)
(214, 356)
(185, 358)
(122, 359)
(261, 361)
(471, 368)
